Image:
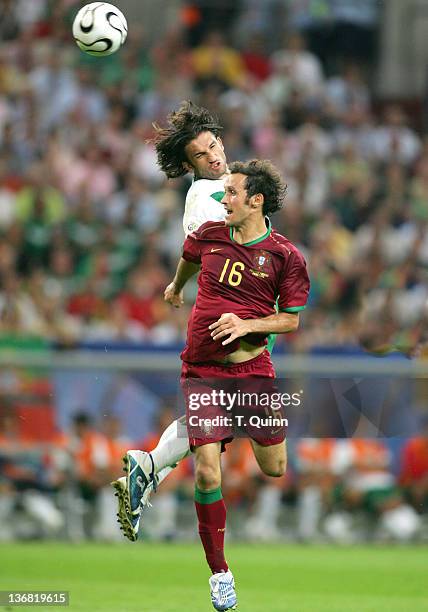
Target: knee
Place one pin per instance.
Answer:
(277, 469)
(207, 477)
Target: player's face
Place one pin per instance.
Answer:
(206, 156)
(236, 202)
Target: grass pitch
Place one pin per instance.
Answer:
(172, 578)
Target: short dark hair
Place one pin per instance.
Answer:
(264, 178)
(183, 126)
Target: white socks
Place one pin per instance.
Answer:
(170, 449)
(163, 474)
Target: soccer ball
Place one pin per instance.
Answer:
(99, 28)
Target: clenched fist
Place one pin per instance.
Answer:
(172, 297)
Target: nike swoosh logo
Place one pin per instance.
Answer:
(214, 250)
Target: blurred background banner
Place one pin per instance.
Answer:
(334, 92)
(357, 450)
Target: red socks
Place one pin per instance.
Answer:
(211, 511)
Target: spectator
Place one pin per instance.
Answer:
(304, 67)
(394, 141)
(213, 59)
(257, 63)
(91, 459)
(347, 92)
(140, 301)
(318, 473)
(414, 470)
(370, 485)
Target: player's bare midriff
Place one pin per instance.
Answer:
(245, 352)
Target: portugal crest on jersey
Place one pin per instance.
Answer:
(261, 263)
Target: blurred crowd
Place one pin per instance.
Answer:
(90, 230)
(336, 490)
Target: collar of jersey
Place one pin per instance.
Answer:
(257, 240)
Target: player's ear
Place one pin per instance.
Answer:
(220, 142)
(187, 167)
(257, 200)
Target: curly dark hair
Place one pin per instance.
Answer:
(264, 178)
(183, 126)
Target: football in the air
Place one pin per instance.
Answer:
(100, 28)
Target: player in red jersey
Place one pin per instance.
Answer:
(244, 266)
(188, 143)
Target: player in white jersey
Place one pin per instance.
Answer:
(189, 143)
(203, 203)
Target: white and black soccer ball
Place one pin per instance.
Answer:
(100, 28)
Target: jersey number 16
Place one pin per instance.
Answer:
(234, 279)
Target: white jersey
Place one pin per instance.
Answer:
(203, 203)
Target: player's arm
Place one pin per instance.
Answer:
(231, 325)
(174, 292)
(188, 266)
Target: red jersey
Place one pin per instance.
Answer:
(245, 279)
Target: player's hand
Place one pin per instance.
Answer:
(172, 297)
(229, 325)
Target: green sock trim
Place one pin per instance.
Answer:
(208, 497)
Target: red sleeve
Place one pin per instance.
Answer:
(294, 286)
(191, 249)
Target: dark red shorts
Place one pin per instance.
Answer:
(209, 419)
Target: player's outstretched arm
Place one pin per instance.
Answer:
(231, 325)
(174, 292)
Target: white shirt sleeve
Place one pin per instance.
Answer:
(201, 205)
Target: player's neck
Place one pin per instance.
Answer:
(196, 177)
(247, 232)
